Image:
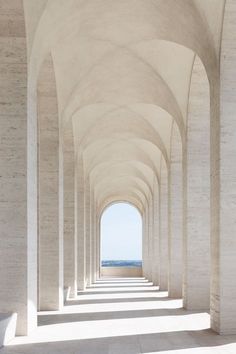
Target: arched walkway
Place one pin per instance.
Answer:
(104, 101)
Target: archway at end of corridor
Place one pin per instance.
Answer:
(121, 241)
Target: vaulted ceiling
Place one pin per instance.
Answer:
(123, 71)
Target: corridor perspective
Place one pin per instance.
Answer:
(123, 316)
(117, 101)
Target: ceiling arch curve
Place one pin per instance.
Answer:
(186, 19)
(113, 153)
(123, 199)
(124, 193)
(123, 71)
(108, 204)
(106, 169)
(122, 127)
(123, 178)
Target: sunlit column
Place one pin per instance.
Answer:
(18, 182)
(196, 289)
(150, 239)
(50, 193)
(176, 217)
(145, 245)
(98, 245)
(164, 227)
(70, 236)
(223, 183)
(79, 217)
(93, 238)
(87, 231)
(155, 243)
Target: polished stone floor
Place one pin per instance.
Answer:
(122, 316)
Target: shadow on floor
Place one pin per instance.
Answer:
(121, 285)
(107, 315)
(122, 282)
(144, 343)
(110, 301)
(117, 291)
(169, 338)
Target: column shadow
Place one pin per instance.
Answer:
(44, 320)
(142, 343)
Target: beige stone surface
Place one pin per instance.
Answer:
(70, 236)
(224, 286)
(121, 272)
(143, 93)
(80, 226)
(196, 289)
(18, 242)
(176, 217)
(164, 228)
(123, 316)
(50, 187)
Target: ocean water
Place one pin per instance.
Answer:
(120, 263)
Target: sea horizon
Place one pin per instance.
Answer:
(121, 263)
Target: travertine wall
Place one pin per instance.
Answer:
(138, 110)
(164, 228)
(17, 247)
(176, 217)
(223, 294)
(70, 236)
(93, 241)
(50, 183)
(87, 223)
(93, 238)
(80, 227)
(196, 286)
(121, 272)
(156, 236)
(144, 246)
(98, 246)
(151, 269)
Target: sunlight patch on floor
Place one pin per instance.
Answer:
(115, 307)
(112, 328)
(123, 320)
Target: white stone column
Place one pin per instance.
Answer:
(18, 202)
(223, 183)
(145, 245)
(196, 286)
(70, 236)
(50, 193)
(164, 227)
(87, 231)
(96, 243)
(155, 243)
(93, 238)
(79, 217)
(98, 228)
(150, 239)
(176, 217)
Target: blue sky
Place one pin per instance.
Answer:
(121, 233)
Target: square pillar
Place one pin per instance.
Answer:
(50, 193)
(18, 177)
(80, 226)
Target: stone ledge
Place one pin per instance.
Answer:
(121, 272)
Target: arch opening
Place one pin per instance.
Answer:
(121, 241)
